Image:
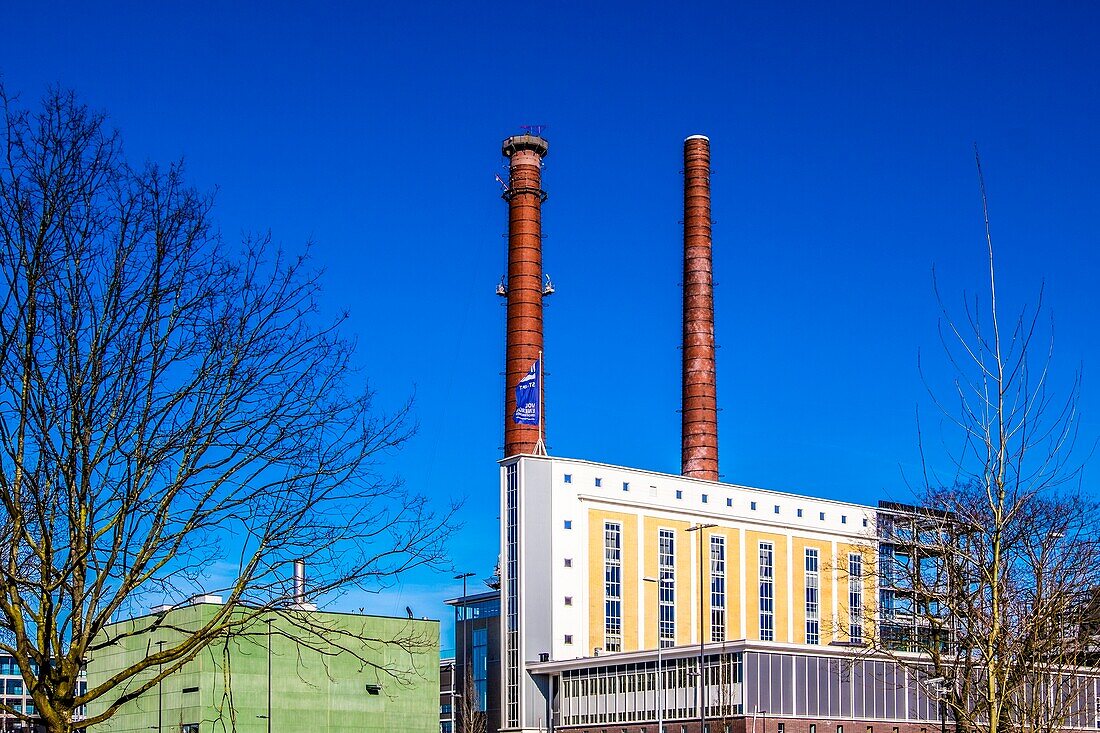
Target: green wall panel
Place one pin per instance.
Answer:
(316, 686)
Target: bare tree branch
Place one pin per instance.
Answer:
(988, 585)
(175, 417)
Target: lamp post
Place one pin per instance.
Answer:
(268, 621)
(764, 724)
(660, 703)
(940, 691)
(160, 690)
(702, 636)
(465, 642)
(454, 696)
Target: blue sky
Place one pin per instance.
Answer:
(842, 147)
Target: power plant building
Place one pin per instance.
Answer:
(606, 563)
(619, 584)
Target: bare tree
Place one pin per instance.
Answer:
(174, 415)
(986, 585)
(471, 716)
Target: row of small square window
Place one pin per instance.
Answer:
(599, 482)
(706, 500)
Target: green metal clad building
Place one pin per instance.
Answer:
(288, 680)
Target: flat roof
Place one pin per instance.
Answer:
(473, 598)
(679, 477)
(279, 609)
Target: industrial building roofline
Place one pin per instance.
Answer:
(680, 477)
(162, 609)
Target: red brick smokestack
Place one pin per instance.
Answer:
(699, 405)
(525, 280)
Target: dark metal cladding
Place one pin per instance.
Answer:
(525, 279)
(699, 402)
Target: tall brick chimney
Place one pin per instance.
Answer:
(525, 288)
(699, 402)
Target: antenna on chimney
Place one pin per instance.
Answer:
(535, 130)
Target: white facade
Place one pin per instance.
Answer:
(549, 560)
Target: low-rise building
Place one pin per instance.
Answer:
(17, 700)
(361, 674)
(476, 672)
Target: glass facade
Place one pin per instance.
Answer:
(16, 695)
(480, 660)
(483, 609)
(511, 630)
(632, 693)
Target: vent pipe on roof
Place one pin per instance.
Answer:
(299, 582)
(299, 600)
(699, 402)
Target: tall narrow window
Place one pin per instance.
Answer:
(717, 588)
(855, 597)
(613, 586)
(813, 596)
(511, 573)
(667, 591)
(886, 568)
(481, 667)
(767, 591)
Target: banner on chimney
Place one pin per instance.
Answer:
(527, 398)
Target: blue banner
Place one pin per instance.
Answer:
(527, 398)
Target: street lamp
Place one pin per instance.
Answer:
(465, 636)
(454, 696)
(660, 671)
(702, 636)
(764, 724)
(160, 689)
(940, 691)
(268, 716)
